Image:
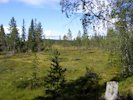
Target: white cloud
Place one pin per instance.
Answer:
(6, 29)
(47, 33)
(19, 30)
(4, 1)
(38, 2)
(51, 34)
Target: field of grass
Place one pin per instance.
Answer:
(16, 71)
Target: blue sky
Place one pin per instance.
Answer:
(48, 12)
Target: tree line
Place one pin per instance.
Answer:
(12, 41)
(83, 41)
(15, 42)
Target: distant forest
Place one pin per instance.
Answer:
(35, 43)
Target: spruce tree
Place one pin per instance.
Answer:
(30, 36)
(29, 39)
(23, 31)
(39, 33)
(14, 34)
(2, 38)
(22, 41)
(55, 79)
(8, 43)
(14, 38)
(34, 39)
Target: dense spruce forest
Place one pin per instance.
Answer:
(35, 68)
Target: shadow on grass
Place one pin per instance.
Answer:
(84, 88)
(90, 52)
(23, 84)
(121, 77)
(43, 98)
(77, 59)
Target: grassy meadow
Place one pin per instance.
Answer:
(16, 71)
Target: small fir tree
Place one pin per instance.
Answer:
(55, 79)
(34, 80)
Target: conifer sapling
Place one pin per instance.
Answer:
(55, 79)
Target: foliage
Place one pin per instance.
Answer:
(123, 11)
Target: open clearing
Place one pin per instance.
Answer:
(16, 70)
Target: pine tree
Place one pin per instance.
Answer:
(55, 79)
